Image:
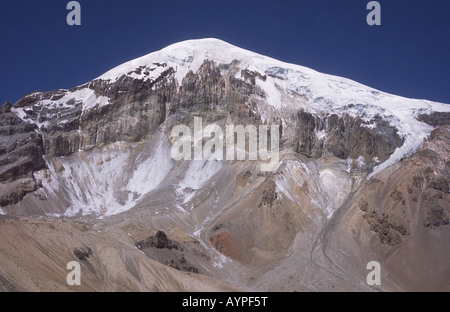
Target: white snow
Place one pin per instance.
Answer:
(151, 172)
(284, 187)
(2, 212)
(349, 162)
(361, 162)
(109, 181)
(181, 209)
(295, 174)
(91, 186)
(337, 186)
(327, 188)
(321, 134)
(90, 99)
(20, 113)
(86, 96)
(220, 260)
(199, 172)
(196, 176)
(197, 233)
(369, 126)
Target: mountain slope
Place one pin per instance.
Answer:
(102, 153)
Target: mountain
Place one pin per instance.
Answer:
(353, 175)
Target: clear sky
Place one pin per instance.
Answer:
(408, 55)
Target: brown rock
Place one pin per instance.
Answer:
(59, 167)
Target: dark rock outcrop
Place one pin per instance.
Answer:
(344, 136)
(269, 195)
(159, 241)
(389, 233)
(166, 251)
(83, 254)
(21, 148)
(15, 191)
(436, 119)
(181, 265)
(435, 216)
(21, 154)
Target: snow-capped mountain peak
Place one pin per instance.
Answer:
(285, 88)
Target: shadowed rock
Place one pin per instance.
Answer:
(83, 254)
(159, 241)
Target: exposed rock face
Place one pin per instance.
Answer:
(159, 241)
(82, 253)
(345, 137)
(136, 109)
(435, 216)
(174, 259)
(20, 146)
(21, 151)
(257, 236)
(269, 195)
(15, 191)
(388, 231)
(436, 118)
(181, 265)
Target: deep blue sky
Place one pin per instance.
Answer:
(408, 55)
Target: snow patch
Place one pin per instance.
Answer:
(361, 162)
(92, 187)
(107, 182)
(369, 126)
(151, 172)
(413, 141)
(87, 97)
(196, 176)
(284, 188)
(337, 186)
(20, 113)
(199, 172)
(321, 134)
(220, 260)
